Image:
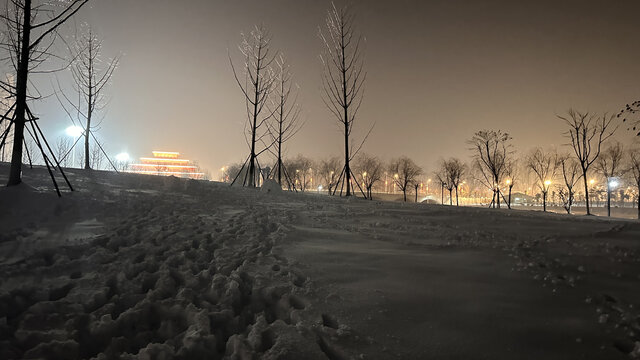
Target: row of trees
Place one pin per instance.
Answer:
(30, 29)
(497, 168)
(266, 83)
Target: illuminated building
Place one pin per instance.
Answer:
(166, 163)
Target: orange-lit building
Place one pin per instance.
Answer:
(167, 163)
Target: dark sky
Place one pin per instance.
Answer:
(437, 72)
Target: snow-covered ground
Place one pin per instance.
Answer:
(132, 266)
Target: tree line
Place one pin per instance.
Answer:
(495, 168)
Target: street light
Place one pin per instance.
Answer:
(123, 160)
(612, 183)
(74, 131)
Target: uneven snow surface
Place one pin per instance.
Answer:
(144, 267)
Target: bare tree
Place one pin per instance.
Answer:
(30, 30)
(544, 165)
(416, 185)
(97, 156)
(31, 153)
(634, 156)
(441, 176)
(258, 84)
(369, 169)
(343, 79)
(453, 169)
(405, 172)
(329, 170)
(287, 115)
(512, 176)
(63, 146)
(492, 149)
(234, 171)
(571, 174)
(610, 165)
(586, 134)
(301, 168)
(91, 74)
(6, 133)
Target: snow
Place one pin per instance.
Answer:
(144, 267)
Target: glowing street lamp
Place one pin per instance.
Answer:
(612, 183)
(122, 157)
(74, 131)
(123, 160)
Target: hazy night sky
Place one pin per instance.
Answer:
(437, 72)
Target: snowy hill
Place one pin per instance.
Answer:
(134, 266)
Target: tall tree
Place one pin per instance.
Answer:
(30, 28)
(453, 170)
(571, 174)
(544, 166)
(405, 172)
(258, 84)
(586, 134)
(287, 115)
(343, 78)
(610, 166)
(91, 74)
(492, 149)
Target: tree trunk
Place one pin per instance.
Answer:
(586, 191)
(450, 197)
(544, 201)
(87, 165)
(509, 202)
(457, 204)
(498, 198)
(404, 192)
(608, 199)
(15, 173)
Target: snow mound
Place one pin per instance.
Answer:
(271, 186)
